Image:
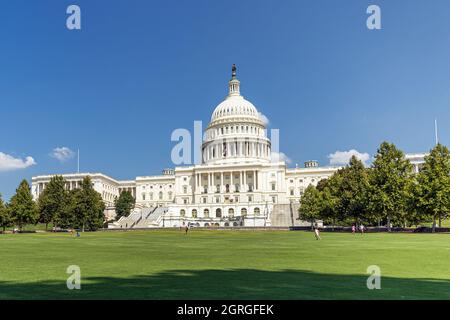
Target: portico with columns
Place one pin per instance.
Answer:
(232, 179)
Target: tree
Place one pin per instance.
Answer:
(66, 217)
(87, 207)
(310, 205)
(389, 179)
(52, 203)
(328, 199)
(433, 196)
(22, 208)
(351, 192)
(5, 219)
(124, 204)
(415, 215)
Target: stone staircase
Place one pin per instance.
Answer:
(285, 215)
(152, 219)
(140, 218)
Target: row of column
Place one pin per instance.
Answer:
(234, 149)
(72, 185)
(211, 179)
(129, 189)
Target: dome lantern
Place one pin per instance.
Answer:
(234, 84)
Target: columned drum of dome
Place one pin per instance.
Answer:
(236, 132)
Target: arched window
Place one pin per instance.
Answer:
(206, 213)
(244, 212)
(231, 212)
(194, 213)
(182, 213)
(256, 211)
(218, 213)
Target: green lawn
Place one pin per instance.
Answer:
(224, 265)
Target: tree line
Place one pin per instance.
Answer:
(386, 193)
(81, 208)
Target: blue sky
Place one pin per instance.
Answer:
(140, 69)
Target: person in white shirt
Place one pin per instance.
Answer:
(317, 233)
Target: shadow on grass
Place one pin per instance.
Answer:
(231, 284)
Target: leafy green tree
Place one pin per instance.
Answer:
(87, 207)
(5, 219)
(52, 203)
(65, 217)
(22, 208)
(310, 205)
(414, 217)
(124, 204)
(433, 196)
(328, 199)
(389, 179)
(352, 191)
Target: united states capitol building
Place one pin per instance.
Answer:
(237, 184)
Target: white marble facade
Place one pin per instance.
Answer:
(238, 182)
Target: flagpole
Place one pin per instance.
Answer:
(78, 162)
(436, 131)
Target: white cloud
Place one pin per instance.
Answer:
(264, 119)
(280, 156)
(62, 154)
(9, 163)
(343, 157)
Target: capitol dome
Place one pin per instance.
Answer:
(235, 106)
(237, 132)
